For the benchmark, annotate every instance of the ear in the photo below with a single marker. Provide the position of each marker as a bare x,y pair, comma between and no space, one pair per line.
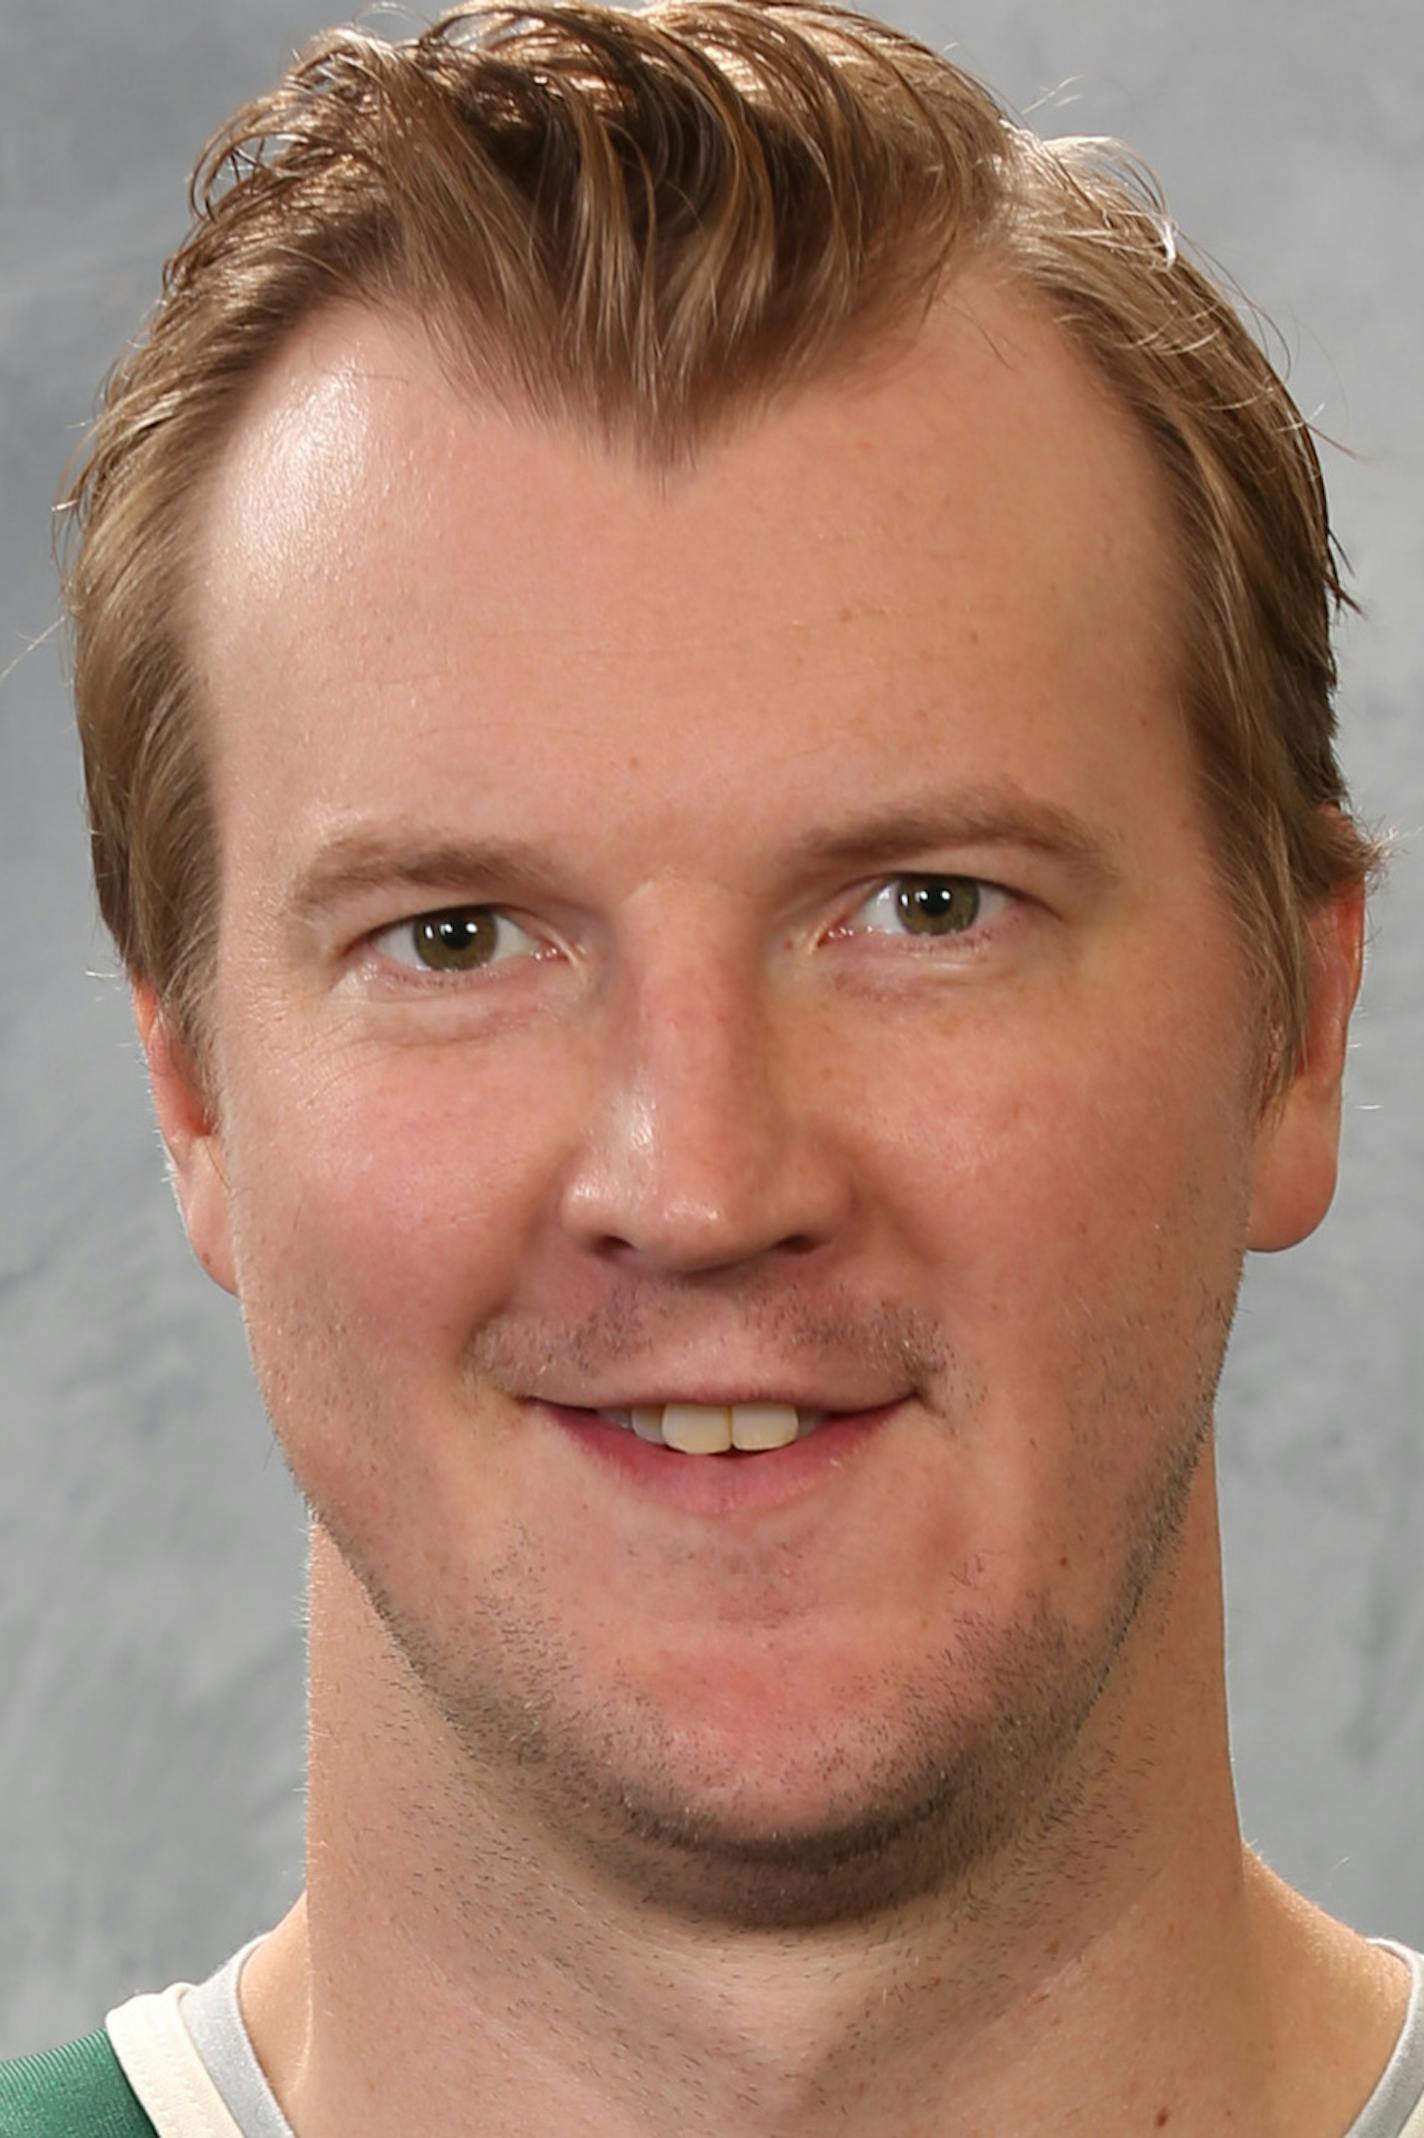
1298,1143
190,1133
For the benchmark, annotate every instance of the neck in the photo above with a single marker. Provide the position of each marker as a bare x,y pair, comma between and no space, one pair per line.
1125,1967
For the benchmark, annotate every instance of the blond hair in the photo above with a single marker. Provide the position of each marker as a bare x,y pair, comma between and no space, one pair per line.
649,225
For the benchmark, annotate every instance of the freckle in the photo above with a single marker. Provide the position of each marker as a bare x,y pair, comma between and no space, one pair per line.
1064,1560
1164,2115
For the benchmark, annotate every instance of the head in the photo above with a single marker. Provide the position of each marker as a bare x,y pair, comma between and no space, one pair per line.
652,226
665,559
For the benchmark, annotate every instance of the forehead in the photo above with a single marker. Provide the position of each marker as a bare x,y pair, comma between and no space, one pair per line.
971,524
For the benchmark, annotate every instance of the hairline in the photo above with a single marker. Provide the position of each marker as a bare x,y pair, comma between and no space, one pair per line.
450,339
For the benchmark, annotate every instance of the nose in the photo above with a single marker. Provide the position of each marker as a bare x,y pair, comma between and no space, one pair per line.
706,1146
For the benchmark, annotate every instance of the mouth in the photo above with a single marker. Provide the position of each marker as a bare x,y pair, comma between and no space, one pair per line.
719,1428
720,1459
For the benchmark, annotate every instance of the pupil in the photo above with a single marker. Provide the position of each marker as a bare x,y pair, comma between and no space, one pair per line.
939,905
452,942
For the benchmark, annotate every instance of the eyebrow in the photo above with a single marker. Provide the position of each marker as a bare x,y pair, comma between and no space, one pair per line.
1000,815
372,858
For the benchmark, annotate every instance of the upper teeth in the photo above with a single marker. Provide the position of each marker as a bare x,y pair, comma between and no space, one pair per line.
712,1428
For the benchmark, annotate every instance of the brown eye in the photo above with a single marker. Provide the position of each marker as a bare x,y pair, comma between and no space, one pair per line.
938,905
457,941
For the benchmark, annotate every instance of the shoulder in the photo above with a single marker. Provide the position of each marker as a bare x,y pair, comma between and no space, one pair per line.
75,2091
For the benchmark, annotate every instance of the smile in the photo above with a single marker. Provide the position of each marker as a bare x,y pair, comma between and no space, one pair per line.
718,1428
799,1452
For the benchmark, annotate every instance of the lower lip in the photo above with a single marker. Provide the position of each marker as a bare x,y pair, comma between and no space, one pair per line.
722,1484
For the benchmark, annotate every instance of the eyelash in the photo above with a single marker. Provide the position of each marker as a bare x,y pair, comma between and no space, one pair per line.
421,974
972,934
428,975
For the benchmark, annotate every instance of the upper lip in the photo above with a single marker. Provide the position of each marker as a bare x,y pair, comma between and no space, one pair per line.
724,1396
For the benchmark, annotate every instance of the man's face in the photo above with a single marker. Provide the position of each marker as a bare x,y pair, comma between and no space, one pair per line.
707,1096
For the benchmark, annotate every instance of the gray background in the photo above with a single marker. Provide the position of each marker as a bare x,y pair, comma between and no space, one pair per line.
152,1554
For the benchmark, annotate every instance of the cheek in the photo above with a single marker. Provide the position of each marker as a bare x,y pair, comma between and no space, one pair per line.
1075,1155
380,1210
1084,1224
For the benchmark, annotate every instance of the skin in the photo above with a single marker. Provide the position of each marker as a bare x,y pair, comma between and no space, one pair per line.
906,1808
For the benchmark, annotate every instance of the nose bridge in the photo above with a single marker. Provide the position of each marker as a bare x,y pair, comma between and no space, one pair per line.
697,1150
700,1064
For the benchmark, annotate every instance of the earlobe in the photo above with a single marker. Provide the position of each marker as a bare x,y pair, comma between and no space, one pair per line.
191,1136
1298,1144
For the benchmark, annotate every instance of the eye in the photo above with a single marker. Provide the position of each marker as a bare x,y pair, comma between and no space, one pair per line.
459,939
936,906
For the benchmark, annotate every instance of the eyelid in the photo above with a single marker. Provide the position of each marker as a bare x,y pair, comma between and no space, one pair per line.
372,940
903,876
866,894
